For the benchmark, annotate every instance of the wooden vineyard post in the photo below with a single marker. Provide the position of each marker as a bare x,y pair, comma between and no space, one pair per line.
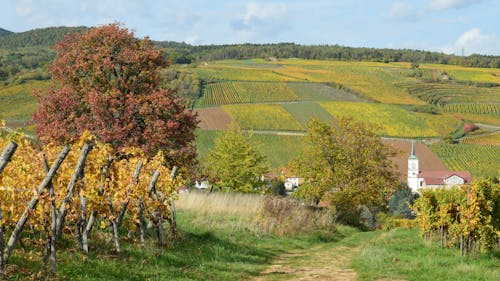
5,157
51,253
105,174
33,202
173,219
77,174
7,154
115,224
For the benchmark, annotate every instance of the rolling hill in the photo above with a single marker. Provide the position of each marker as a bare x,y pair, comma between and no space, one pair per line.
278,95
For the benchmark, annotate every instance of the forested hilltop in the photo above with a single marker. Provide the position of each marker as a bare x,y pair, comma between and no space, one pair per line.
186,53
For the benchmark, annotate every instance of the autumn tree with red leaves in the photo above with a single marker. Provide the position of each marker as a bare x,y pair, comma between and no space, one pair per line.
108,83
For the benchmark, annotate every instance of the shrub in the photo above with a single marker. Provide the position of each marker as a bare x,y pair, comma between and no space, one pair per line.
286,216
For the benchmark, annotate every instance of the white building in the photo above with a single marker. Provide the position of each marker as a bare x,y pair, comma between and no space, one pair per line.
433,179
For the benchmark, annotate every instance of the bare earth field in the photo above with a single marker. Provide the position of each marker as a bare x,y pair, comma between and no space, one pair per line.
213,118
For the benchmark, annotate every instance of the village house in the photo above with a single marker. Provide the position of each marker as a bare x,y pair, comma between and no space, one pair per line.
433,179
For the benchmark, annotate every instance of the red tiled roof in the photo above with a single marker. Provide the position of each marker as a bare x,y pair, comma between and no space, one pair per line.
438,177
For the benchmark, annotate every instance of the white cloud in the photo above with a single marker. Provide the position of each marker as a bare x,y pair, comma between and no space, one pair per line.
442,5
404,11
260,14
474,41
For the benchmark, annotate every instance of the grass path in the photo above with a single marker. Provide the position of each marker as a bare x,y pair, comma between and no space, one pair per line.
330,261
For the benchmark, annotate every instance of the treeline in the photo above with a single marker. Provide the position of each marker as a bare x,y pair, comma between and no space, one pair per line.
187,53
29,50
42,37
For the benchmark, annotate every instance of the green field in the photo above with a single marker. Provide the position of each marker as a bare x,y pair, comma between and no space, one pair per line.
278,149
480,160
305,111
17,102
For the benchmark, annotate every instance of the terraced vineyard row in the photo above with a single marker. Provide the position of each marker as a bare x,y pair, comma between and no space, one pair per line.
488,139
474,108
480,160
219,93
446,93
234,92
265,91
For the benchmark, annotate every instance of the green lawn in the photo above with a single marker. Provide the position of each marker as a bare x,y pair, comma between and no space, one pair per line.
401,254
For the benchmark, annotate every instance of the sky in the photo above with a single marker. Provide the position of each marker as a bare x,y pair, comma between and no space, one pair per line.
449,26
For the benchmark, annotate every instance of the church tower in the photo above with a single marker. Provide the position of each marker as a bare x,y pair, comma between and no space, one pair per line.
413,169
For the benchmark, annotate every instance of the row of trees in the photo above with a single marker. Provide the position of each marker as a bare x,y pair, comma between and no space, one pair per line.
331,52
344,164
467,217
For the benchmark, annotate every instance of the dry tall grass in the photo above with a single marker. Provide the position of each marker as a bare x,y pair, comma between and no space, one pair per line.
258,213
218,209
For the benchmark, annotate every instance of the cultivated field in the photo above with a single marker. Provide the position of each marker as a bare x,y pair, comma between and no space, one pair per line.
480,160
213,118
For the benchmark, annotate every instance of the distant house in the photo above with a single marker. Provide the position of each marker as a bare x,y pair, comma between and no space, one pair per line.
292,183
433,179
203,185
182,189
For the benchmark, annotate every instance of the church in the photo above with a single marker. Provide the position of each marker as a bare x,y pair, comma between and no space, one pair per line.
433,179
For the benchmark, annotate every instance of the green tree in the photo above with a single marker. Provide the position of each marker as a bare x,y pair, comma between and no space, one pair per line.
346,165
235,164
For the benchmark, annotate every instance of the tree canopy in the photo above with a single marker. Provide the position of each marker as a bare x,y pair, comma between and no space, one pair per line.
346,165
108,83
235,164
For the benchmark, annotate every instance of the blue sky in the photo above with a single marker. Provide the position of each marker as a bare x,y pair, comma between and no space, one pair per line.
437,25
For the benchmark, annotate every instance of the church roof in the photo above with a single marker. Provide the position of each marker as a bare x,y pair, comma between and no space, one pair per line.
438,177
412,155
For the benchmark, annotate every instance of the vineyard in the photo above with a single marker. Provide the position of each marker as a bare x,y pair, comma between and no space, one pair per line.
392,119
467,217
305,111
473,108
480,160
262,117
450,93
234,92
219,93
486,139
79,190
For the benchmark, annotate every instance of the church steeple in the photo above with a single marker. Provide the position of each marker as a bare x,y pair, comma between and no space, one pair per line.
413,169
412,155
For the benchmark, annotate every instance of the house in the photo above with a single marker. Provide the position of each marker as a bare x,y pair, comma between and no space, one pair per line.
433,179
203,185
291,181
182,189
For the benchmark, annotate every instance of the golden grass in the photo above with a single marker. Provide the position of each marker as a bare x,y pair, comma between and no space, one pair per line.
221,203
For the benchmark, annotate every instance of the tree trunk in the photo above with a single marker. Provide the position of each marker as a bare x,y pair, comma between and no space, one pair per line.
77,174
115,236
14,238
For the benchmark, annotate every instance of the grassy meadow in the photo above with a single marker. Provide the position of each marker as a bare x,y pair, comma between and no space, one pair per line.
225,236
278,149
